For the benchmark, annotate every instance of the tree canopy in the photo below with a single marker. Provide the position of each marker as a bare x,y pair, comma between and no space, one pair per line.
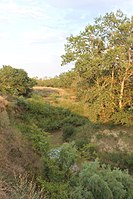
102,55
15,81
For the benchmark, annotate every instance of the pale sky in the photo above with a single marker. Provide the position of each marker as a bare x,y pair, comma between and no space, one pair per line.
33,32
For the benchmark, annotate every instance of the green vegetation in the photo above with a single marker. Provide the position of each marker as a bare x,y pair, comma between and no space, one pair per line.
15,81
119,159
68,131
65,80
66,147
102,76
100,182
47,117
62,170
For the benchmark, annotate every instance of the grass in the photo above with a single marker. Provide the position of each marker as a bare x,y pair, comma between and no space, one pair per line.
20,186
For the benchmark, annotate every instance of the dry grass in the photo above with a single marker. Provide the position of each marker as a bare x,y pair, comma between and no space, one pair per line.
20,187
16,154
25,188
3,103
4,190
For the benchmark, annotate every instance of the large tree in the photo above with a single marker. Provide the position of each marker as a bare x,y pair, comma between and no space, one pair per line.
15,81
102,55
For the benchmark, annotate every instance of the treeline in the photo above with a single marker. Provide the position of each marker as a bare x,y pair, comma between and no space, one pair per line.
103,68
64,80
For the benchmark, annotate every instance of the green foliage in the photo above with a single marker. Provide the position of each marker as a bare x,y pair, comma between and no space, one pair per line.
100,182
47,117
103,67
55,190
15,81
75,120
37,136
57,171
61,175
57,167
64,80
81,142
89,151
118,159
123,117
68,131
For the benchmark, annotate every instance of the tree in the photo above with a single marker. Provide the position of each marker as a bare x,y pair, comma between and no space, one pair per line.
102,55
15,81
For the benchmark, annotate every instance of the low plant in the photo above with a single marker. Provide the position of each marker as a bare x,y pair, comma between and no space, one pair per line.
68,131
89,151
81,142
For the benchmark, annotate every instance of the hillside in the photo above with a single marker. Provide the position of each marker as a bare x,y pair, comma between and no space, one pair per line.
18,160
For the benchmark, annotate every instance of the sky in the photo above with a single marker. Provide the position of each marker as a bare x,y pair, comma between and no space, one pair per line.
33,32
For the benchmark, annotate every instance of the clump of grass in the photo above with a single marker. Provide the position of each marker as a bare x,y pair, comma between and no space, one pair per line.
24,188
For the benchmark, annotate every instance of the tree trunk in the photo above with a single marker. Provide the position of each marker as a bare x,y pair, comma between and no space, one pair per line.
121,93
112,79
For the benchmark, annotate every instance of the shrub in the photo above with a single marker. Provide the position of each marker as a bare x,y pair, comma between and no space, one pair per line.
100,182
80,143
55,190
68,131
57,170
90,151
123,117
75,120
37,136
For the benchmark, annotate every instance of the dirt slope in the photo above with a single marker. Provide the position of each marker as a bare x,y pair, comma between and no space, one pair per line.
16,154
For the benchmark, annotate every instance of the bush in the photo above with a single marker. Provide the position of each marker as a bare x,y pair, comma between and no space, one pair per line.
57,170
123,117
37,136
100,182
55,190
75,120
80,143
90,151
68,131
